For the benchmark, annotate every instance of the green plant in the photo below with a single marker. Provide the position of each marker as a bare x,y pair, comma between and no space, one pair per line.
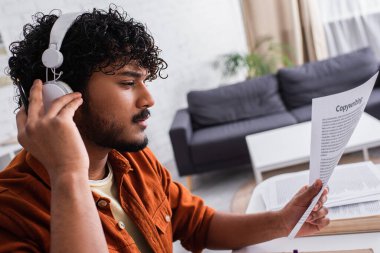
265,58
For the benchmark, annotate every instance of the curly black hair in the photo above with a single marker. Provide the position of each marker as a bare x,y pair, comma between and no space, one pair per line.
96,40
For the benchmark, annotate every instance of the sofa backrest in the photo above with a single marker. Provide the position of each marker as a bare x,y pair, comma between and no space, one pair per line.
251,98
299,85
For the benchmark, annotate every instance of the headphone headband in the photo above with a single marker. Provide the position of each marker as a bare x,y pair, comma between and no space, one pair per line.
59,29
52,57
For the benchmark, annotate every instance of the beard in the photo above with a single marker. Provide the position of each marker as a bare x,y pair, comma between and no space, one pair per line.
107,132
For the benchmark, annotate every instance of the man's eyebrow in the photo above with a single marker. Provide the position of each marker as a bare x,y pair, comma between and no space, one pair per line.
130,74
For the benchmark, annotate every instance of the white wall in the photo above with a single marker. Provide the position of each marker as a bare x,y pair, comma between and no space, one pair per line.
191,35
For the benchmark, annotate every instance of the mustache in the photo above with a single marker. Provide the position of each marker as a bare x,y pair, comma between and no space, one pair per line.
143,115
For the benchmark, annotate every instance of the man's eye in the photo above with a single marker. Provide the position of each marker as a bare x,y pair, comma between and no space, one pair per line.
128,83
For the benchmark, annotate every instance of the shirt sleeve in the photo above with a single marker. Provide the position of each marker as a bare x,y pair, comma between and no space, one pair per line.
191,217
13,237
10,240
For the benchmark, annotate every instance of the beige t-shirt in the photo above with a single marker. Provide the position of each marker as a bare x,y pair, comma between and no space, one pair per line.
107,188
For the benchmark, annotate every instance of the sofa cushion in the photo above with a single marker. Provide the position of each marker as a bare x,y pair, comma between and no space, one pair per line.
302,113
227,141
248,99
373,104
301,84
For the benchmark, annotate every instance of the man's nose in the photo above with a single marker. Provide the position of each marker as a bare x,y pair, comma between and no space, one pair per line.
145,99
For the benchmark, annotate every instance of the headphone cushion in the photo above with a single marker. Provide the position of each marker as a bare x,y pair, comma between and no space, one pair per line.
64,86
52,58
52,90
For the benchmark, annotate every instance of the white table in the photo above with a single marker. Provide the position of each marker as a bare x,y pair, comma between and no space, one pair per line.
316,243
290,145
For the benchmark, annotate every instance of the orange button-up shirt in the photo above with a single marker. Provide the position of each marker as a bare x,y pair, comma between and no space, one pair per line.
163,210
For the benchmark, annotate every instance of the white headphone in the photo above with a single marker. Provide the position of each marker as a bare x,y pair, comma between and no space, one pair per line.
52,58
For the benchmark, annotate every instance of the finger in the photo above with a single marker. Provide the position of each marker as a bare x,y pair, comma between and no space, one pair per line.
70,108
325,192
305,197
302,190
318,215
320,203
321,223
317,206
322,200
35,101
61,102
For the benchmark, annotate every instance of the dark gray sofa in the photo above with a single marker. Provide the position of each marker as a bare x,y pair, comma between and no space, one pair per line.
210,133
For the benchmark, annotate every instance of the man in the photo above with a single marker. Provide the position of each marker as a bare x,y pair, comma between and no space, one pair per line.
85,180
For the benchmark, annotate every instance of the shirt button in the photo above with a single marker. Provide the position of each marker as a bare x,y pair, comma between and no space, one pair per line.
121,225
167,218
102,203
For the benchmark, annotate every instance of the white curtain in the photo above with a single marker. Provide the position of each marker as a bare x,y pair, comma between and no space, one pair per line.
350,25
295,23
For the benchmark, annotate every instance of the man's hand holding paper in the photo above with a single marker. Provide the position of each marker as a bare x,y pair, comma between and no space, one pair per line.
297,206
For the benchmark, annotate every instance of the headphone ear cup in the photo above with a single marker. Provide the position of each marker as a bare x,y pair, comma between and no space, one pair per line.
52,58
64,86
52,90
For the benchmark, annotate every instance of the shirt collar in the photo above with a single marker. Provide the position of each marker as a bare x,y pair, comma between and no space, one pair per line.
116,159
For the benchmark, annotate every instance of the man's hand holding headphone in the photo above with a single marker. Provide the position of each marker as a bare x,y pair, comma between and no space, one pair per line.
52,136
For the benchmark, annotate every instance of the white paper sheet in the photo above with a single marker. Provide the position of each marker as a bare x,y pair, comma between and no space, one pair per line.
355,210
349,184
334,119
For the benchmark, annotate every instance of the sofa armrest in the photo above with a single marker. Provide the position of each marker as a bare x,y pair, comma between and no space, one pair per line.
180,133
